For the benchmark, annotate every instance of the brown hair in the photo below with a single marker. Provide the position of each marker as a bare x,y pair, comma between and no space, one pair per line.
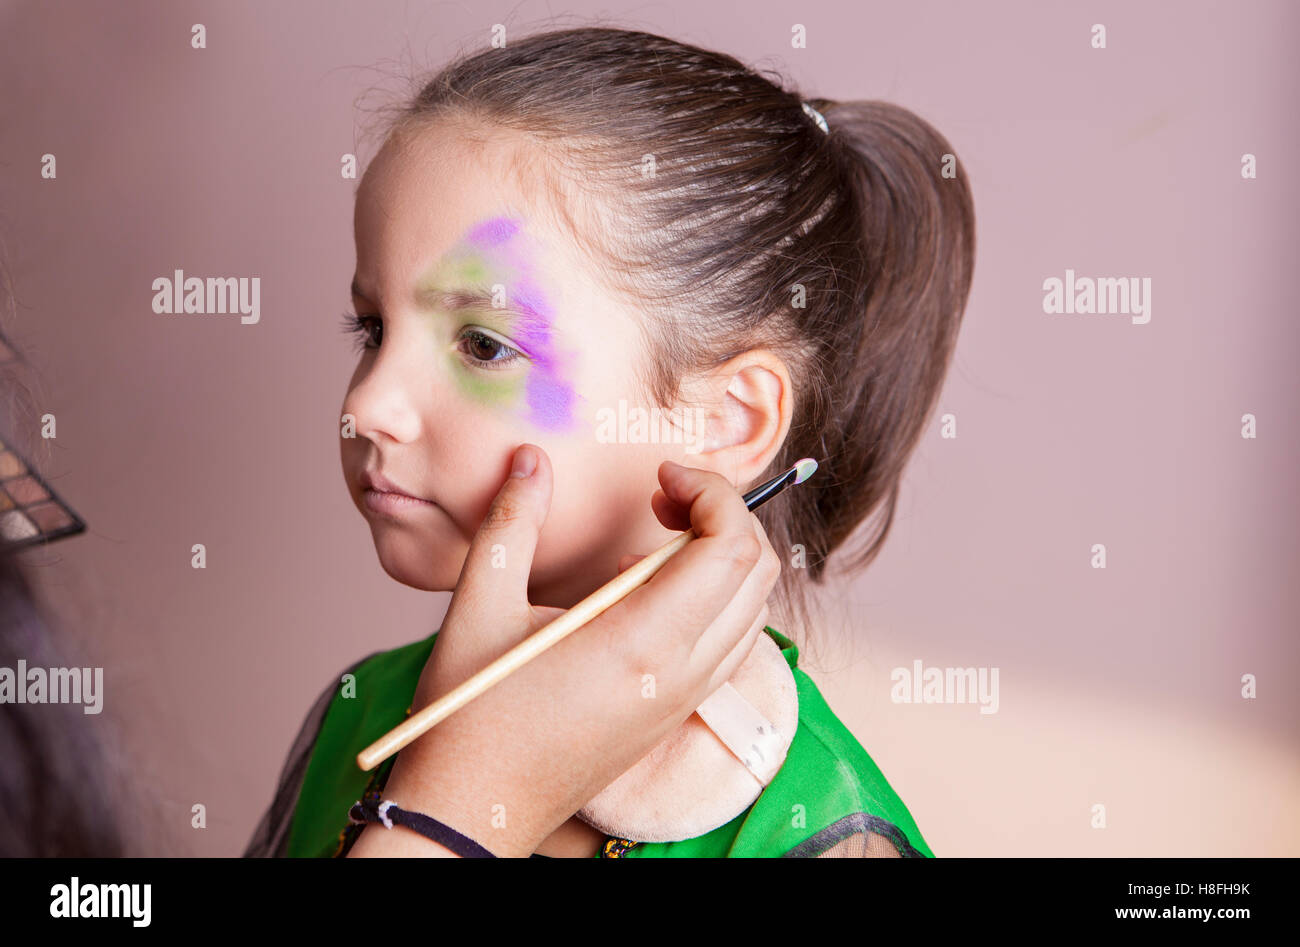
746,200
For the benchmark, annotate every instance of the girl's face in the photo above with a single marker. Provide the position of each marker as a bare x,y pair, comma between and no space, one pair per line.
483,329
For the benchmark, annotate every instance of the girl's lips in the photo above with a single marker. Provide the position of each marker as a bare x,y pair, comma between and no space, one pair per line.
378,501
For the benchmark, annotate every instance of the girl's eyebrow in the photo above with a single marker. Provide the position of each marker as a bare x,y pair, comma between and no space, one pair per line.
457,300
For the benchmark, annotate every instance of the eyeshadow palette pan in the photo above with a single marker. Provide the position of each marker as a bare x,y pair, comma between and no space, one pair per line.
30,512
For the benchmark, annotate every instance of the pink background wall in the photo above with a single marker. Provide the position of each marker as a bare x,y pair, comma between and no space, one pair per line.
1118,686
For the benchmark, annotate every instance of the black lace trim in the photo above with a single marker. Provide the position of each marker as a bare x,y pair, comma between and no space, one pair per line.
850,824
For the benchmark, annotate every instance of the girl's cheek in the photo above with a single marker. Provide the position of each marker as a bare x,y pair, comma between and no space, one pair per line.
482,388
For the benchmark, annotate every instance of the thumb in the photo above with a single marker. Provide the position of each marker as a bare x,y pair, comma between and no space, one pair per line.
500,559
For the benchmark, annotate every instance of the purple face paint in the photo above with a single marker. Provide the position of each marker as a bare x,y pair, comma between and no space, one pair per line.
493,233
550,396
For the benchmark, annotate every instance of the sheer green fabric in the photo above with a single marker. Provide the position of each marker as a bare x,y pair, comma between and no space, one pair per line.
828,800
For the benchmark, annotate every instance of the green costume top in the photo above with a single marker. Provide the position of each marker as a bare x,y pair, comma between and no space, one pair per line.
829,798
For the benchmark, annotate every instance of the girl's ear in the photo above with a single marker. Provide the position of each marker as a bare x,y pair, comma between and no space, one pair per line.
749,403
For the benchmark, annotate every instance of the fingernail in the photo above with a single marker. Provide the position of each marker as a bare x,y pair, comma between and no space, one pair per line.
525,462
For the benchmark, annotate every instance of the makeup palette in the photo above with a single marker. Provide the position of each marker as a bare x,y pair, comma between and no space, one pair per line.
30,512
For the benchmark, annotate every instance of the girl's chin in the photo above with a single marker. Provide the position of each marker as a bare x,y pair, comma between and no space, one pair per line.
417,568
426,580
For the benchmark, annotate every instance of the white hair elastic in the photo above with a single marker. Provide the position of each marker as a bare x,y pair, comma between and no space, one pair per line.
817,117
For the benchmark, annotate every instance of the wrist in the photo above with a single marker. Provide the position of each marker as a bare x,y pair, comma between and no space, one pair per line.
372,808
480,805
375,841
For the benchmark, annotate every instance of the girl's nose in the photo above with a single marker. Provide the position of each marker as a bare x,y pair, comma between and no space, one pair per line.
383,401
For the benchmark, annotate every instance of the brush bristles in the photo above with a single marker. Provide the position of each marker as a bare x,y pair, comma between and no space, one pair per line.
806,467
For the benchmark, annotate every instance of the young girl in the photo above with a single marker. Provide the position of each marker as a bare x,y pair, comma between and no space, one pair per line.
561,235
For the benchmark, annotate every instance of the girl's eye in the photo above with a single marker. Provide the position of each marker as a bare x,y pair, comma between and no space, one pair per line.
486,351
481,349
367,330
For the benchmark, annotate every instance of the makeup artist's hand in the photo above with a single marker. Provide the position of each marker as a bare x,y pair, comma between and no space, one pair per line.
515,763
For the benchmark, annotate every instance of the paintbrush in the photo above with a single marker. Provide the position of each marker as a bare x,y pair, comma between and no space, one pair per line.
608,595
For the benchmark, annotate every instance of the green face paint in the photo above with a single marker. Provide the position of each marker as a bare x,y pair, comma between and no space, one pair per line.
465,270
471,270
481,386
